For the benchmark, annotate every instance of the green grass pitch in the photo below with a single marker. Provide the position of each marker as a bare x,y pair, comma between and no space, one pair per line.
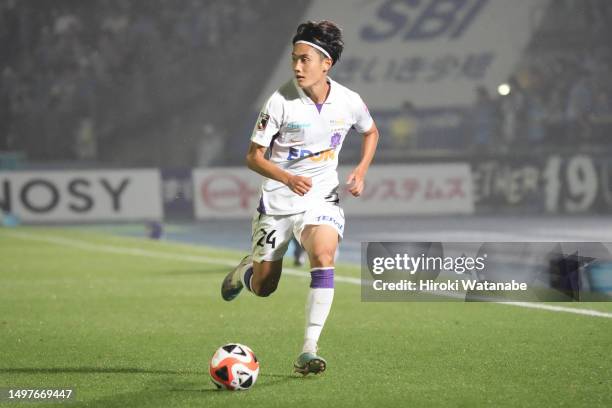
129,322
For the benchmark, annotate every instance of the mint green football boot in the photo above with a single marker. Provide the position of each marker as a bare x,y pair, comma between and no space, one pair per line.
232,286
309,363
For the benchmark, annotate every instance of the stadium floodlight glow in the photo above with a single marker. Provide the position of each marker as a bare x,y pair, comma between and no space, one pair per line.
504,89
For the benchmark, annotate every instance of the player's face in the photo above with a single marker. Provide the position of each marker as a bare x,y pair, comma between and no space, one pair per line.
309,67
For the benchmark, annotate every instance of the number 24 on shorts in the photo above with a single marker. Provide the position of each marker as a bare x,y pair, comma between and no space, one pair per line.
268,237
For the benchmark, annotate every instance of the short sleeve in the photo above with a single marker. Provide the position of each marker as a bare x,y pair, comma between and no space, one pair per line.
363,119
269,121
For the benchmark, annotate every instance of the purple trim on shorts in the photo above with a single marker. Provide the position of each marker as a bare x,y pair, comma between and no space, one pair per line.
248,274
322,278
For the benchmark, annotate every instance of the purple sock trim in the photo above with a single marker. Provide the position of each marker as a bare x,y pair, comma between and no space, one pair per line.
322,278
248,274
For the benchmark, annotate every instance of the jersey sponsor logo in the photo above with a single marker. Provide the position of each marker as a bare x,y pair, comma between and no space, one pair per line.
295,153
337,122
263,121
296,126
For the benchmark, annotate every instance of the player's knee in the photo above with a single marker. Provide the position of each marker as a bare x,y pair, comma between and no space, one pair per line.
264,289
323,257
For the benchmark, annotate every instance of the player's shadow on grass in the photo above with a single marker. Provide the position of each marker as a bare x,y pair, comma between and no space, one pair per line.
159,390
178,386
278,379
201,271
97,370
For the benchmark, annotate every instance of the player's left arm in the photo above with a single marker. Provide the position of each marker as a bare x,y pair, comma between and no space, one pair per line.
356,180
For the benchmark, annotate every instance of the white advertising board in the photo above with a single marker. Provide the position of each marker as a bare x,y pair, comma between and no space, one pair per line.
390,190
75,196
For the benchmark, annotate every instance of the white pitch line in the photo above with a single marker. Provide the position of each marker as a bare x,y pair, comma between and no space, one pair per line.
225,262
55,240
552,308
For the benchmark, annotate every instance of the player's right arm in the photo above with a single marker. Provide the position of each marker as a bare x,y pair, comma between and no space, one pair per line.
268,125
257,162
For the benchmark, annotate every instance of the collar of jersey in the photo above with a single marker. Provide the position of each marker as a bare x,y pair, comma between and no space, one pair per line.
308,101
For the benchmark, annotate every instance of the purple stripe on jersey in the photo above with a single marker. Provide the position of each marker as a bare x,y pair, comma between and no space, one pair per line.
319,106
322,278
272,141
262,208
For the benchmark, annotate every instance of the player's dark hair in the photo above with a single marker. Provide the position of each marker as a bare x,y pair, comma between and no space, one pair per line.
323,33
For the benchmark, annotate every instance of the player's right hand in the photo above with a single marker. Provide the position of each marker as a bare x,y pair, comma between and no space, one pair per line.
299,184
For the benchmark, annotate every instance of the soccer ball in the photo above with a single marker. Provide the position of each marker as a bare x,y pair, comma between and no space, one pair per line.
234,367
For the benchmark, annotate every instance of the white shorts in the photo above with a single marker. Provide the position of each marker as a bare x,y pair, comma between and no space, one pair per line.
272,234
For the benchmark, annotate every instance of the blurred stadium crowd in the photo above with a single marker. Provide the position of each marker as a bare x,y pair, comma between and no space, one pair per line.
79,77
131,82
562,91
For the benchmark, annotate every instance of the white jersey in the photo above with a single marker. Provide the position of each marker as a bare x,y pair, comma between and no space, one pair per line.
305,141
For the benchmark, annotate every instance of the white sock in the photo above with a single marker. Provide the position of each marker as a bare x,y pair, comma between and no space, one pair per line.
318,305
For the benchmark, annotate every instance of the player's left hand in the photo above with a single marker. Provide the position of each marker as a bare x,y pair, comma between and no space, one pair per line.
356,182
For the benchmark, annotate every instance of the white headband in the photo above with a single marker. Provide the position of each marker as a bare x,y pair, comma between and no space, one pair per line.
317,47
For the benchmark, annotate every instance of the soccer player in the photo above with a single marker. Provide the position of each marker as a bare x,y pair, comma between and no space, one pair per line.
302,127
